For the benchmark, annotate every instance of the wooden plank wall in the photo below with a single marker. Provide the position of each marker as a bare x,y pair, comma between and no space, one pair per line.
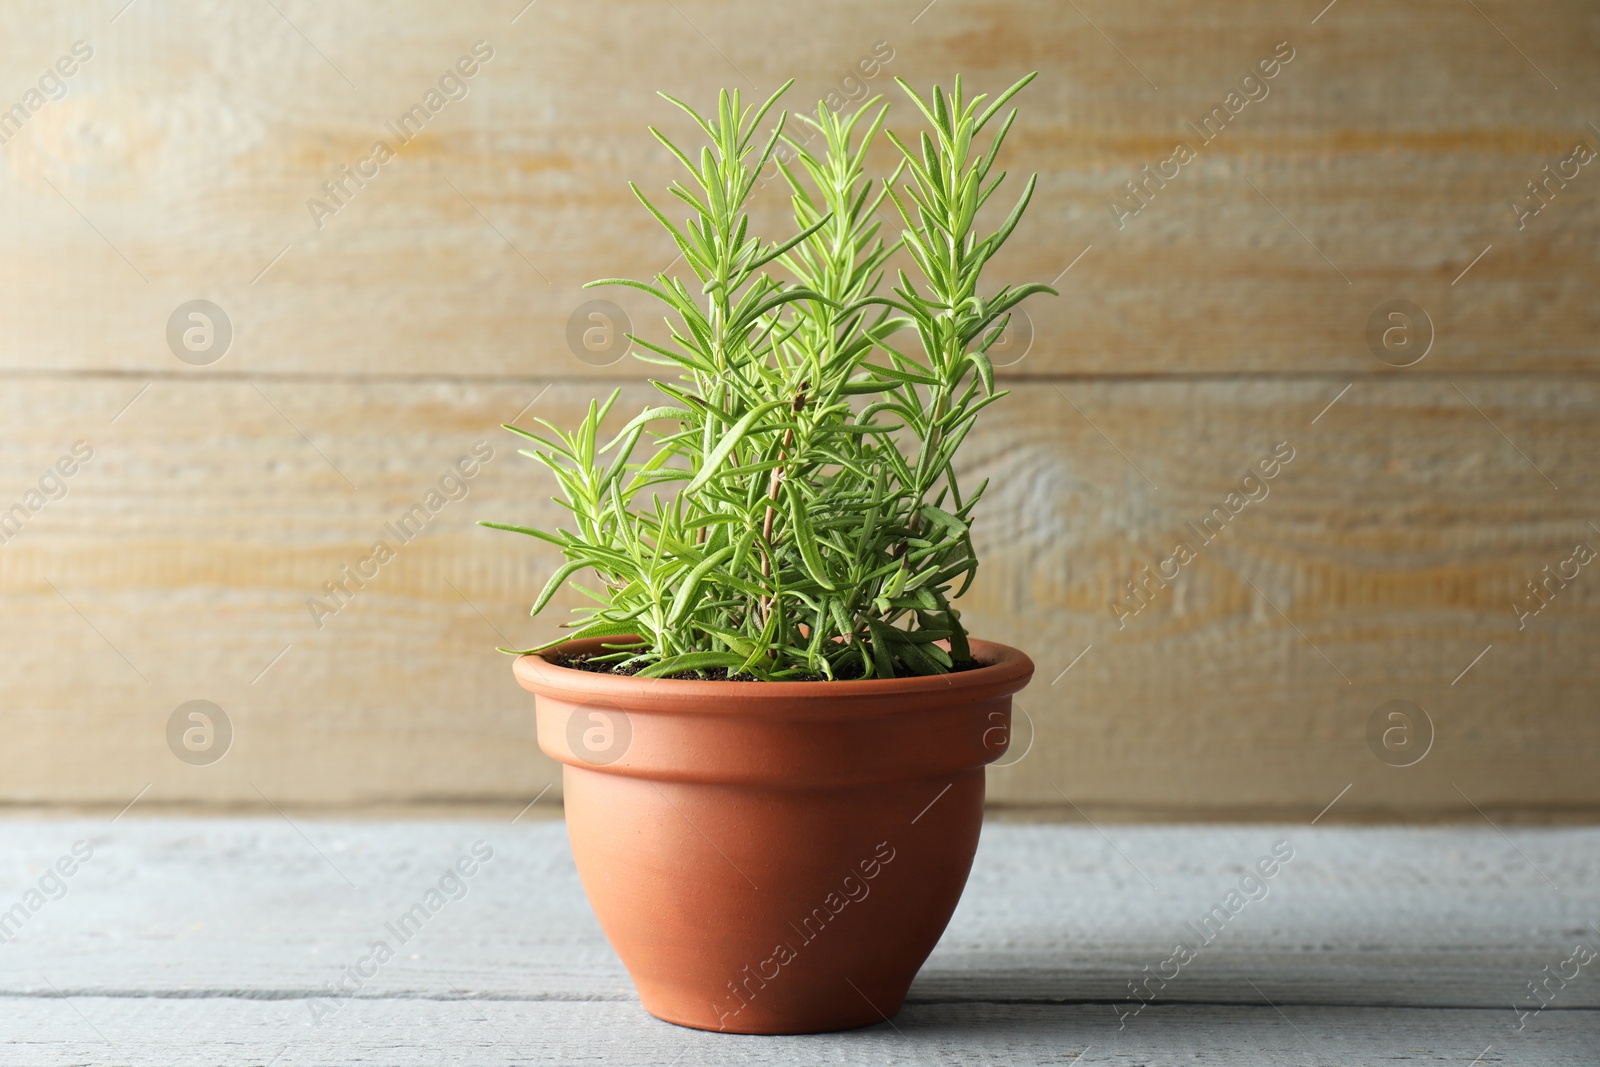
375,345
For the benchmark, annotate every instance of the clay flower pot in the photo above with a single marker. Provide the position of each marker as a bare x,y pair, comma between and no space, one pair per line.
774,857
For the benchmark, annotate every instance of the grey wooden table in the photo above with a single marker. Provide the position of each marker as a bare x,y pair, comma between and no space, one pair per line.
250,942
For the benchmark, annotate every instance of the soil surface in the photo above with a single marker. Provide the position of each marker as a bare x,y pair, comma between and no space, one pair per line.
849,671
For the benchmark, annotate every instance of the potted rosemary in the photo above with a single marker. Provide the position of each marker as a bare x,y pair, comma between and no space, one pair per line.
773,723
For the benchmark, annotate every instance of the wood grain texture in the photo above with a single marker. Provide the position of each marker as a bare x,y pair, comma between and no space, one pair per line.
1369,946
372,351
1387,151
410,1033
1384,557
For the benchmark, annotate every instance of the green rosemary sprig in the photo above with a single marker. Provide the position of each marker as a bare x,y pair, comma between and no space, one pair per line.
797,512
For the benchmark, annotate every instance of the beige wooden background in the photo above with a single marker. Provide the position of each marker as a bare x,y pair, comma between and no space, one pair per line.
372,352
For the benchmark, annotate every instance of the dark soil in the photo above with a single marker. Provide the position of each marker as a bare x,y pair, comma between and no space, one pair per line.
849,671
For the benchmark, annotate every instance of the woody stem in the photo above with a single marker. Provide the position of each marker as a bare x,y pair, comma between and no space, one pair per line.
774,486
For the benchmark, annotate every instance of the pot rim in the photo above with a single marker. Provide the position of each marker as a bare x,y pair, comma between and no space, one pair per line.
1005,670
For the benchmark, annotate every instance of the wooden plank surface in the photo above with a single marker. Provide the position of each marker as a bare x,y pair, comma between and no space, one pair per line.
198,941
126,1033
180,563
1226,316
1384,156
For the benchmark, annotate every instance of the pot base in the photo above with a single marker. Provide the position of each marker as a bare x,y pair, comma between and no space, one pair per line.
785,1028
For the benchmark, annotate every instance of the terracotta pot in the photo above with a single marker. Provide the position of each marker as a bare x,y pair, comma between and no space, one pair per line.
774,857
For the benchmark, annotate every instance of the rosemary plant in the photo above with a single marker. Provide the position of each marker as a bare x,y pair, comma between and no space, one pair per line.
791,508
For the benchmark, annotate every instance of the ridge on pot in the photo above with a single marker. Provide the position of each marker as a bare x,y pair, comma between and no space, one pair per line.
773,858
